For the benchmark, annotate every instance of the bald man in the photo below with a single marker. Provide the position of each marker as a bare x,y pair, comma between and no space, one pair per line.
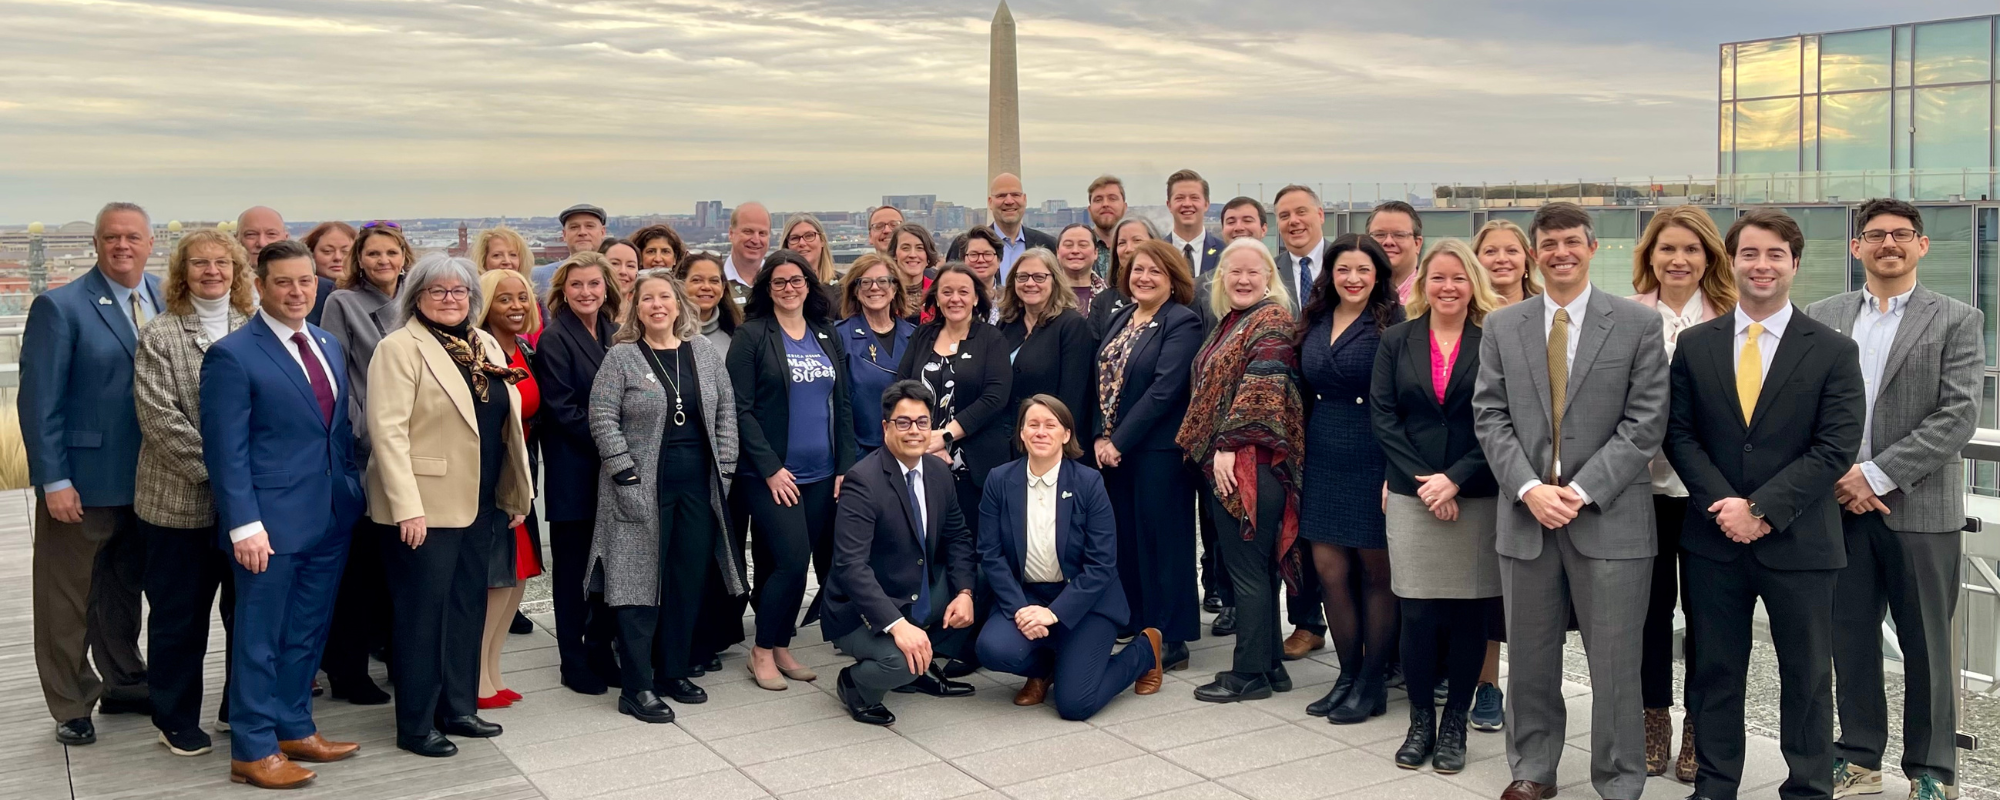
749,240
258,226
1006,205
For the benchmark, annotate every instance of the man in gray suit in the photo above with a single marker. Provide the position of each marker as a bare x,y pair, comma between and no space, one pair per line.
1922,358
1301,239
1571,404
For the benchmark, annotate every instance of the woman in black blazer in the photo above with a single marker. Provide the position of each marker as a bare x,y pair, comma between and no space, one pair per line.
582,301
1143,374
1050,344
785,365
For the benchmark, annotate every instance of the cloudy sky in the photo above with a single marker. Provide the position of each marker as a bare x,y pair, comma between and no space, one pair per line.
409,108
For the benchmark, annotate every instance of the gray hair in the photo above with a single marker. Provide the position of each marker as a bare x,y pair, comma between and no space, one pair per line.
97,228
686,316
430,269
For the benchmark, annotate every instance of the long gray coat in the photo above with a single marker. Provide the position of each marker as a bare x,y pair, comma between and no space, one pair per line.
358,318
629,409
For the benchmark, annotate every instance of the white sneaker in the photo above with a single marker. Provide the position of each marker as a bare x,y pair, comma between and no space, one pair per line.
1850,779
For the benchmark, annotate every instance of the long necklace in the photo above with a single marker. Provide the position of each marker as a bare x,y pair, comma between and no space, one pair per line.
680,416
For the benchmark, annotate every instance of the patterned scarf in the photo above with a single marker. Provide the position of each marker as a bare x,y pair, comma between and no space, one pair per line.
476,369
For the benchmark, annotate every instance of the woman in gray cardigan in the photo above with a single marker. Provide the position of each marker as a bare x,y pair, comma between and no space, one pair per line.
662,414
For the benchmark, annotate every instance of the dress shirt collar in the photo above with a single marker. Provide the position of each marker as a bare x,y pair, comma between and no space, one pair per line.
1312,253
1045,481
730,272
279,328
1576,307
1774,324
906,470
1869,302
1198,242
1019,237
122,295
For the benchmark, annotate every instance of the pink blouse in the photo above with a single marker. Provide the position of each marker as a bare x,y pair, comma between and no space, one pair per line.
1440,367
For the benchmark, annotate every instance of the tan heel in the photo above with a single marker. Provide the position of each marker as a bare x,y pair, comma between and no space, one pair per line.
767,684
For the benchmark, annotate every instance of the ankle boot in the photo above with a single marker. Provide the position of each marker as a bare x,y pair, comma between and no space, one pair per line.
1369,698
1421,740
1659,740
1450,757
1342,687
1685,767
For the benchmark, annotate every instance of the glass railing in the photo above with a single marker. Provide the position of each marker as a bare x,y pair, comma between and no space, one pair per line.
1938,185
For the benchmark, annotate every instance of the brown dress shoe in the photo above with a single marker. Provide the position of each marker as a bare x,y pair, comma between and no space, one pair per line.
317,749
1033,692
271,772
1527,790
1659,740
1150,680
1301,642
1684,767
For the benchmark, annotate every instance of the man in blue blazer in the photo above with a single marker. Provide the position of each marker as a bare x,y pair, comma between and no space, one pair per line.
1048,542
1187,200
81,429
280,456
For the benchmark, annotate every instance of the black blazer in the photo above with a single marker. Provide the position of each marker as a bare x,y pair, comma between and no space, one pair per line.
1058,360
1804,434
1103,307
879,562
986,385
565,367
1419,435
1154,398
1029,236
763,384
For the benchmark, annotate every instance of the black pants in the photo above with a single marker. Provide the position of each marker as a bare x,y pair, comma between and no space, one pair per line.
1656,659
1253,571
1151,494
1800,605
1214,579
184,569
584,625
361,611
787,541
655,642
1913,577
1305,610
1446,632
439,592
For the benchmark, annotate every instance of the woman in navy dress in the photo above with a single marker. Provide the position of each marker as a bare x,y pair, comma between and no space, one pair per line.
1350,304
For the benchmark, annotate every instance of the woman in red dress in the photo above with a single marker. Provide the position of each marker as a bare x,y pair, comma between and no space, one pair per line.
509,313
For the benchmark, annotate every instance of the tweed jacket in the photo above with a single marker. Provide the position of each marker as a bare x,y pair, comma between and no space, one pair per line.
628,416
1926,406
426,436
173,481
359,318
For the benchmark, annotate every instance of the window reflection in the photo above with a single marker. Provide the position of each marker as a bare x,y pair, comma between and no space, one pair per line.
1767,135
1953,52
1854,60
1854,132
1952,130
1768,68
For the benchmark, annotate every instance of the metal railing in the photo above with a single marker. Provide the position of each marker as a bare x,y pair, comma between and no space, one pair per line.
1743,188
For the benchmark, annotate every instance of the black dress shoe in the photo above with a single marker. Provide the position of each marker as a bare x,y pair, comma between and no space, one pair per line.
1334,697
584,682
645,707
959,668
714,664
109,705
317,689
430,745
521,624
935,684
1281,681
683,691
1421,739
77,732
1225,622
1174,656
850,696
470,726
1450,757
360,691
1230,687
1211,603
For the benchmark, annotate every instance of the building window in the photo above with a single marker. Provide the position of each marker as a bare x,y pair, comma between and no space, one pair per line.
1767,135
1854,60
1953,52
1767,69
1954,126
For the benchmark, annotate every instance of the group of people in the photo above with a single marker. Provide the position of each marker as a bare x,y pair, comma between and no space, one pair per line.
1016,452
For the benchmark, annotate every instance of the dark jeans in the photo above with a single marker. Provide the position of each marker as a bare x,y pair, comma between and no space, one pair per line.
361,612
184,569
1076,654
1253,571
1913,577
584,625
439,592
788,539
655,642
1656,660
1447,632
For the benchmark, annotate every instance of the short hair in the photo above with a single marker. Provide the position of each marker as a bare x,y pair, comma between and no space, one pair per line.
1718,281
1239,202
630,329
1397,207
489,288
728,314
1562,216
586,260
1529,283
1180,276
279,251
604,247
1777,222
982,303
1062,296
179,297
817,307
1483,299
921,234
430,269
1184,176
321,230
736,214
355,274
97,228
873,211
483,245
906,389
986,235
825,267
1218,301
1118,259
1885,207
1296,187
644,236
1103,181
1071,448
850,288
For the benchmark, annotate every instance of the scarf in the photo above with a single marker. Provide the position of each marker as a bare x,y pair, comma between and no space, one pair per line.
477,370
714,321
214,316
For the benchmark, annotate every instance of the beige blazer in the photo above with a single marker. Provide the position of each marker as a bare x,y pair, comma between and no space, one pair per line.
426,457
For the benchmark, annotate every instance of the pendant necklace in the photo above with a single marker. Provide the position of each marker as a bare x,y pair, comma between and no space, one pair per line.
680,417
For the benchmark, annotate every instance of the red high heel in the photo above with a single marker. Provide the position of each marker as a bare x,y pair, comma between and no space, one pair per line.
495,701
510,694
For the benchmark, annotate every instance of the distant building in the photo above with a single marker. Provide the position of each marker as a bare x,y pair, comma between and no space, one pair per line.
920,203
708,214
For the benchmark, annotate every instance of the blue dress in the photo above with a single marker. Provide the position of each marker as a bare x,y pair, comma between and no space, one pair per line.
871,367
1341,501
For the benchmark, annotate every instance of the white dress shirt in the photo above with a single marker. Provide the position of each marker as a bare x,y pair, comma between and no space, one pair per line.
1312,258
1767,344
1199,247
284,333
1672,323
1875,331
922,529
1577,309
1041,563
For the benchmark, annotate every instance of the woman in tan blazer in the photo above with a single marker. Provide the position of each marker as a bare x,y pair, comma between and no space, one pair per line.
450,472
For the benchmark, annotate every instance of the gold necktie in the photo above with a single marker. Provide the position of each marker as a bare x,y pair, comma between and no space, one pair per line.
1558,389
1750,371
138,313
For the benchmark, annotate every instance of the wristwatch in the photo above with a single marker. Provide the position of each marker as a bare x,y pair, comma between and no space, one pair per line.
1754,510
947,439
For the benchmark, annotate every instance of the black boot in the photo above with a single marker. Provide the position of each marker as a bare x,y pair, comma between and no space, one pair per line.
1368,699
1450,756
1422,739
1174,656
1342,687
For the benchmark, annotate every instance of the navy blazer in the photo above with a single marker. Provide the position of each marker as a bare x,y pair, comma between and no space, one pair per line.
1086,543
1154,397
1206,254
565,367
78,419
879,562
870,370
270,454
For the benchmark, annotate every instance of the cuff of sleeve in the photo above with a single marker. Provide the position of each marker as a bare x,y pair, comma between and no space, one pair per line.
241,532
892,624
1578,488
1877,479
1522,495
56,486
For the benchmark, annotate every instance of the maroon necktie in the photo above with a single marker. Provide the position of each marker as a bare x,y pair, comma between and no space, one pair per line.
322,388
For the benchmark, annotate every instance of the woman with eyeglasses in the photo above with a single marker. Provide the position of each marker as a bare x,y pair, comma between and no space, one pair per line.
1076,250
624,261
916,257
806,236
797,431
1125,235
873,336
982,255
1049,342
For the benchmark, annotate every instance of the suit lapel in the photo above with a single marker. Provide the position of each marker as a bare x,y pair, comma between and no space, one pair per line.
1065,488
1595,329
894,469
445,370
1921,308
1461,374
591,347
1017,481
1846,309
1792,349
937,491
1535,341
112,313
1722,360
285,361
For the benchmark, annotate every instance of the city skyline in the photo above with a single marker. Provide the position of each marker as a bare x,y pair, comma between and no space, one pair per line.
491,108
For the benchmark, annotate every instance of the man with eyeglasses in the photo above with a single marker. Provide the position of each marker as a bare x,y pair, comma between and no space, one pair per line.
904,562
1007,204
1397,228
1922,359
882,224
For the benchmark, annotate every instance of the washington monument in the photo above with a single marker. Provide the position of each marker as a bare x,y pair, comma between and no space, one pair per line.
1003,112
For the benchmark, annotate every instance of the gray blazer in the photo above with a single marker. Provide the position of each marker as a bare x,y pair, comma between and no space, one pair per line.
628,416
1926,407
358,318
1614,424
173,480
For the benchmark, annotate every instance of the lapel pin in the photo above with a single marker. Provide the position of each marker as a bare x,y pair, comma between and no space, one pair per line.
822,336
1153,324
1067,495
1211,251
104,301
967,356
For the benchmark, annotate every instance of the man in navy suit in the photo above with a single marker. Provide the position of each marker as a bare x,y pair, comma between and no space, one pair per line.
81,429
900,548
1187,199
280,456
1048,542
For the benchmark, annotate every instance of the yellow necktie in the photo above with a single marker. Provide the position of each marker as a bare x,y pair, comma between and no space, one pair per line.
1750,371
138,312
1558,388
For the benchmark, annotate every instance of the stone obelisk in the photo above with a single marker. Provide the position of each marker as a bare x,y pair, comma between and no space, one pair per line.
1003,111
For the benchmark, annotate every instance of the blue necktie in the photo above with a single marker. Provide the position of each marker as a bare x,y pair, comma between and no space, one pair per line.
1305,280
922,610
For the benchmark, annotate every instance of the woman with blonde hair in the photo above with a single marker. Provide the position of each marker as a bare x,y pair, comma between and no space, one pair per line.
502,248
806,236
1503,251
1052,345
509,313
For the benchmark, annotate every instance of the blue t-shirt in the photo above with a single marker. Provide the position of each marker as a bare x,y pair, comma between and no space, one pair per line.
809,452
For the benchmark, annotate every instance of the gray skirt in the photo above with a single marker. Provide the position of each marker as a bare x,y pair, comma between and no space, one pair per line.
1431,559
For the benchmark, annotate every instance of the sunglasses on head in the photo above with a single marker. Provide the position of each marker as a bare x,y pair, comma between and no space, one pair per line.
381,223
